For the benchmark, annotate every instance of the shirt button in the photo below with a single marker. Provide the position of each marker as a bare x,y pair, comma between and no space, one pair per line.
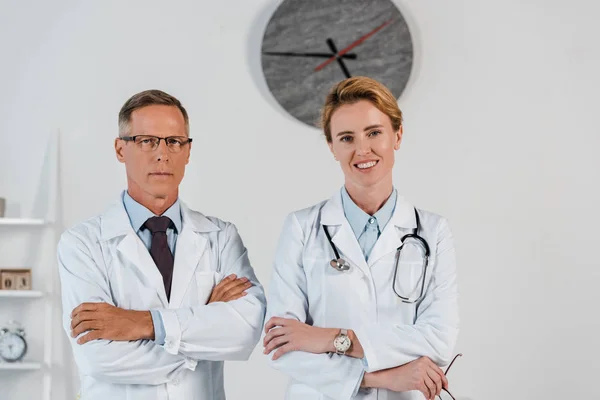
175,382
371,220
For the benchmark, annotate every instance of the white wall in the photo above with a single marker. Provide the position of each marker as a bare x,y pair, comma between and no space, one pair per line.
500,137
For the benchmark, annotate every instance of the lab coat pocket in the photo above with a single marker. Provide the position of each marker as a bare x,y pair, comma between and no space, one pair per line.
410,269
338,283
205,282
409,278
340,279
344,294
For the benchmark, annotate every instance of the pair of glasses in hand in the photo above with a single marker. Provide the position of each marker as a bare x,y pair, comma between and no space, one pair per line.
446,373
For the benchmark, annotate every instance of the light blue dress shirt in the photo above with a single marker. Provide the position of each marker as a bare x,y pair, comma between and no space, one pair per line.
367,230
138,215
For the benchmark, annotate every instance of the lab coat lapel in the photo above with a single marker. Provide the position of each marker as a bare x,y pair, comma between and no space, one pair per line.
188,251
332,216
115,223
191,245
401,223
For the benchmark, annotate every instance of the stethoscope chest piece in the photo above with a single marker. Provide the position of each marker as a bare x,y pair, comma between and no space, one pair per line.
339,264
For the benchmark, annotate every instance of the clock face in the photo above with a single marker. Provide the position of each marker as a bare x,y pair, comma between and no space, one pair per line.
309,46
12,347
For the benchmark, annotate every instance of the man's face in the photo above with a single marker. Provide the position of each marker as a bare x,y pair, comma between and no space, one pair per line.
156,172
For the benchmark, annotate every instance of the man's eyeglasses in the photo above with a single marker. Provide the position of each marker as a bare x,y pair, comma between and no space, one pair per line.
150,143
444,397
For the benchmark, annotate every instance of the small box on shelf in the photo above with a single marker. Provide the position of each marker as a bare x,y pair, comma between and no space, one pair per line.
15,279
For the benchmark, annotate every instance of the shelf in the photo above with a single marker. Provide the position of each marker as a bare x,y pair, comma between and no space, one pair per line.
21,222
23,294
19,366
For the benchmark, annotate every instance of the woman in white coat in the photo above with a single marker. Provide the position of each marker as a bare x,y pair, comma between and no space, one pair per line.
348,314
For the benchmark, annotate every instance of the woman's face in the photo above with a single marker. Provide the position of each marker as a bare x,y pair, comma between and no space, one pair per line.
364,142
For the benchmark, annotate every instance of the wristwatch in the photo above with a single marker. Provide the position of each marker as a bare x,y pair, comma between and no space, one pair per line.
342,342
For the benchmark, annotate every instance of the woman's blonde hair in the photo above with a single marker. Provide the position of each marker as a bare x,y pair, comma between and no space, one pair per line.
358,88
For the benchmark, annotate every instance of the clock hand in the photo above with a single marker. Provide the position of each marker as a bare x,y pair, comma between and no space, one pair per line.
339,59
331,45
353,45
292,54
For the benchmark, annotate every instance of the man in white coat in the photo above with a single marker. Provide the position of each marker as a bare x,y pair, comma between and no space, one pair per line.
155,295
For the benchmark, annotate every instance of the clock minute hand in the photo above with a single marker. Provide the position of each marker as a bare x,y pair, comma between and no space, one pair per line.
353,45
339,59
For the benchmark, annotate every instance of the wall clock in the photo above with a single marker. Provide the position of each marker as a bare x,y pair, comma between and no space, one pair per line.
308,46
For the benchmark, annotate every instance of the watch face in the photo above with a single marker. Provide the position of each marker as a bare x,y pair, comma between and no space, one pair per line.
342,343
309,46
12,347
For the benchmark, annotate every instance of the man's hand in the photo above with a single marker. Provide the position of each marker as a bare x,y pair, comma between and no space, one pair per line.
421,374
104,321
287,335
230,288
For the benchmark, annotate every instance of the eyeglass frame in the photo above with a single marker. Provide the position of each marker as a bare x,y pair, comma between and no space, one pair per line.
446,372
132,139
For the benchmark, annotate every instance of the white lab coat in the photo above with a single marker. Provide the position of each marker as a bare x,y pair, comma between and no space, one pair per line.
103,260
305,287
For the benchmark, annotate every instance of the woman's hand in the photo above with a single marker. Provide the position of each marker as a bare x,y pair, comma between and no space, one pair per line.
287,335
421,374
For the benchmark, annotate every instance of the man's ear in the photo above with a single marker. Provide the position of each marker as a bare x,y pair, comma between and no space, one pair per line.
119,149
189,151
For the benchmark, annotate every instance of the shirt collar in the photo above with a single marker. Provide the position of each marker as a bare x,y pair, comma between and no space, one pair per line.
138,214
358,219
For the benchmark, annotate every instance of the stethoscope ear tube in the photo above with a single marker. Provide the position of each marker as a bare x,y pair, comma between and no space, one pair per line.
423,242
338,263
337,255
426,264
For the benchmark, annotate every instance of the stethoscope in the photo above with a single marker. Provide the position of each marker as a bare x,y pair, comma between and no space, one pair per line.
339,264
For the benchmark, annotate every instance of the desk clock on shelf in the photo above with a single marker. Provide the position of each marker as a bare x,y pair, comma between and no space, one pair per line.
13,345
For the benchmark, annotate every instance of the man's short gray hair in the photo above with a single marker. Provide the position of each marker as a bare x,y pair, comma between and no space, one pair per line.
144,99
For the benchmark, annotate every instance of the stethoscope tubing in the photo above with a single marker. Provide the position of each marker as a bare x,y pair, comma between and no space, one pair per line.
341,265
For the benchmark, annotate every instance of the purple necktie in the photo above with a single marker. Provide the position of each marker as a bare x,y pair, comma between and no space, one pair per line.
159,249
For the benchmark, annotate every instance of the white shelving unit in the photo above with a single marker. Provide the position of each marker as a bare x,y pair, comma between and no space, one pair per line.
20,366
21,222
21,294
37,237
